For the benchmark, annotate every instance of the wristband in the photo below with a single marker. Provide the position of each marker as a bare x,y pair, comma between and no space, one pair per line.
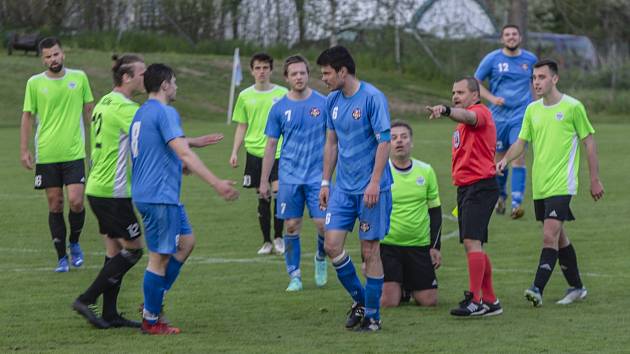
325,183
447,111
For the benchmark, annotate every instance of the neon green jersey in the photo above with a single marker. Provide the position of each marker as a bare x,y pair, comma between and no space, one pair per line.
252,108
413,193
110,173
57,106
555,133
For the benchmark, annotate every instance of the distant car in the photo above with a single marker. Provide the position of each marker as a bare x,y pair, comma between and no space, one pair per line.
570,50
26,42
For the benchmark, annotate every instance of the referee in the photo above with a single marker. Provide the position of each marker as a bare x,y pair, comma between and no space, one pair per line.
474,142
554,125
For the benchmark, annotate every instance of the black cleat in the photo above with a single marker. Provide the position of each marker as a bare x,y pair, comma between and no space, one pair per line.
355,315
90,313
119,321
492,309
468,307
369,325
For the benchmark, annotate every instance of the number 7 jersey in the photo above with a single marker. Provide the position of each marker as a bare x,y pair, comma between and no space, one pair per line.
109,160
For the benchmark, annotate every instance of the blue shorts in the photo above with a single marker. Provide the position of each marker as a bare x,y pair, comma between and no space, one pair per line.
507,134
292,197
163,224
344,209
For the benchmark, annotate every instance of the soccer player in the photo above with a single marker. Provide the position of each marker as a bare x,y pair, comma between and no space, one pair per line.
554,125
57,100
159,152
509,72
474,142
299,118
109,194
251,112
411,250
357,143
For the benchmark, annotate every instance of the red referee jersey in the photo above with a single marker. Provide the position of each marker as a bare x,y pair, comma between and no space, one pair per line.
474,148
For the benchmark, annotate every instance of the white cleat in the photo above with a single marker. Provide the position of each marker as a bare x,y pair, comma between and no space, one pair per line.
278,246
572,295
265,249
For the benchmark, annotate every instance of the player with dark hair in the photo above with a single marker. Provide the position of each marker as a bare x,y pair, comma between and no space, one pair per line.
58,100
300,119
159,152
474,142
251,112
357,144
509,72
554,125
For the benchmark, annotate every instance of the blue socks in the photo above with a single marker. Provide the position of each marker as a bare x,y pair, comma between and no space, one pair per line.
172,271
373,290
321,253
348,277
292,254
502,180
519,176
154,287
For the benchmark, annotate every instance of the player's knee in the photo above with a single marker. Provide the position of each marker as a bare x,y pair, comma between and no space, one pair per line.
427,301
55,205
332,250
389,301
76,204
132,255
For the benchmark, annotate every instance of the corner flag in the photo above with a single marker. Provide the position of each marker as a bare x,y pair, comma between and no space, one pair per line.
237,77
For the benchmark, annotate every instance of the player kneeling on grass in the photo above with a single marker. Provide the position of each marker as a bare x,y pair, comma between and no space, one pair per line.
299,117
159,151
411,250
553,125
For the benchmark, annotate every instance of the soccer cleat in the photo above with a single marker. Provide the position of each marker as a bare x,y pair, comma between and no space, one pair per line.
90,313
321,272
119,321
534,295
573,294
369,324
500,207
158,328
76,255
355,315
266,248
517,212
468,307
295,285
62,265
405,296
278,246
493,309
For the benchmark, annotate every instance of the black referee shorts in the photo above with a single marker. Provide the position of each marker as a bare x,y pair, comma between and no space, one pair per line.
556,207
253,168
409,266
475,204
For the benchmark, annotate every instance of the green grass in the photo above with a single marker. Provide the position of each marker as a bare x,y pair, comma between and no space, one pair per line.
230,300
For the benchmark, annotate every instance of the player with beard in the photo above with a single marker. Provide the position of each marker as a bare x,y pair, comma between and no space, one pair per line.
58,100
509,71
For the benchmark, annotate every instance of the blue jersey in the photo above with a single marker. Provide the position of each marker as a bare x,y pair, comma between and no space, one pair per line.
156,175
302,125
510,78
359,121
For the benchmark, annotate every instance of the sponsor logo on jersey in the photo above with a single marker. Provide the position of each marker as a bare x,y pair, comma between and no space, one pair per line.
315,112
559,116
456,140
420,181
45,90
72,85
525,66
356,114
364,226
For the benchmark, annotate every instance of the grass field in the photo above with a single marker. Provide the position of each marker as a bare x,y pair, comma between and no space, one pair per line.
230,300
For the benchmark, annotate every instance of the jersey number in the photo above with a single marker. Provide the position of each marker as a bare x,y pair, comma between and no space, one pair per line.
135,132
334,112
503,67
288,115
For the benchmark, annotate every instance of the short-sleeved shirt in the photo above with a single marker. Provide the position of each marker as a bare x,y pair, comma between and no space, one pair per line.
57,105
555,133
474,148
252,108
510,78
414,192
110,175
156,170
358,121
302,126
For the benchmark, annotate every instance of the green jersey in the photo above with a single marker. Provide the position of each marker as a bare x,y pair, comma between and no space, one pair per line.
110,173
555,133
252,108
57,106
414,192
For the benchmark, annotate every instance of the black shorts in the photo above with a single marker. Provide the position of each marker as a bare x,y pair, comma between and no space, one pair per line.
116,217
253,168
59,174
475,204
556,207
409,266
